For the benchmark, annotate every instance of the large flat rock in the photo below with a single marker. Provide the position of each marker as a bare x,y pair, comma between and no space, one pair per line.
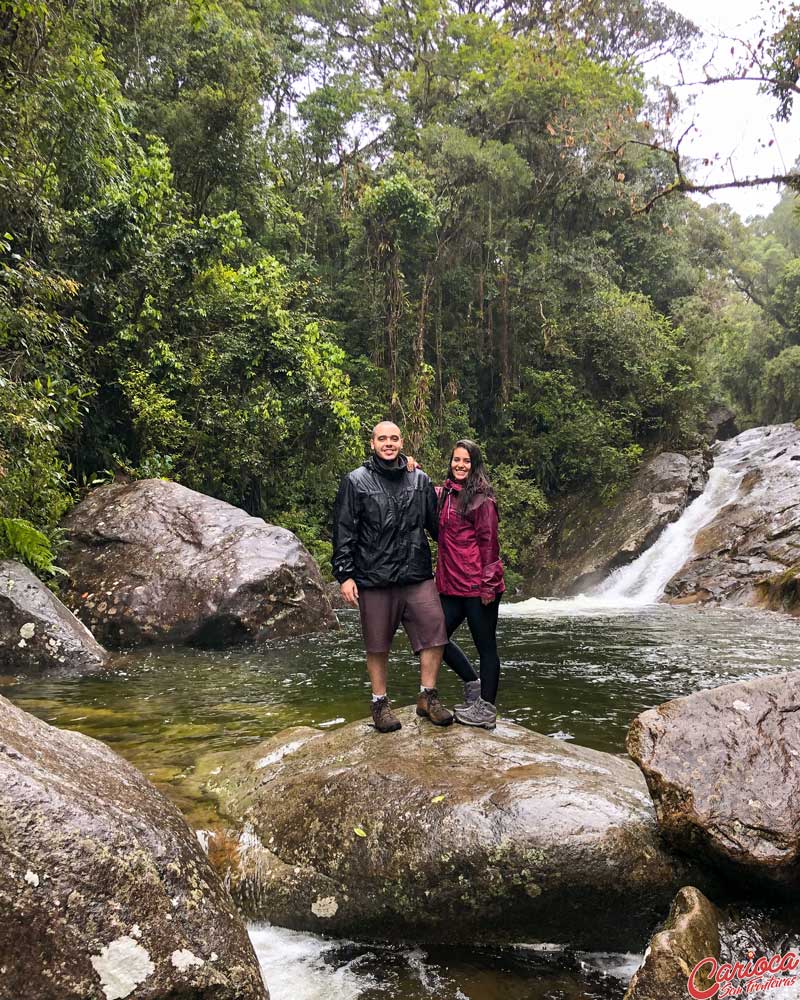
723,768
154,562
444,835
105,892
38,634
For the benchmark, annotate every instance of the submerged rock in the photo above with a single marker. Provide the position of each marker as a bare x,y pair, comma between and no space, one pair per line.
37,633
749,553
105,891
589,540
442,835
154,562
690,934
723,768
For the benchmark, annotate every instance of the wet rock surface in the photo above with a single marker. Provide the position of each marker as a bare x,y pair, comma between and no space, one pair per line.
37,633
690,934
444,835
105,891
749,554
154,562
746,928
723,768
588,540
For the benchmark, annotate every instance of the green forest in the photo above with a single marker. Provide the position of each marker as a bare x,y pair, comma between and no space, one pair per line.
235,235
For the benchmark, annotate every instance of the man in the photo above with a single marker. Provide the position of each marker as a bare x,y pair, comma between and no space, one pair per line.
382,561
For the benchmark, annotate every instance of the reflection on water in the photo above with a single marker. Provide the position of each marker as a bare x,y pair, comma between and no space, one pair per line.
577,677
582,676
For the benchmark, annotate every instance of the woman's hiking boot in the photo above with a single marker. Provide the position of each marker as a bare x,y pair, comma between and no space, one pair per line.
472,691
479,713
429,707
384,718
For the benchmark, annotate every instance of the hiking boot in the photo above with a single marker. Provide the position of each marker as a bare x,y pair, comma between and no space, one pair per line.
429,707
472,691
479,713
384,718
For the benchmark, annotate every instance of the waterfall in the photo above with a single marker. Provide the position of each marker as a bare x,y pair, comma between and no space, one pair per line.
642,582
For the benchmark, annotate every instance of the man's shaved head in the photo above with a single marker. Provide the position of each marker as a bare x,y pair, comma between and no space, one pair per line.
385,426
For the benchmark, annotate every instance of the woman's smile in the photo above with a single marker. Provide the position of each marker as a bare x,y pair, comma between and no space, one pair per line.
460,464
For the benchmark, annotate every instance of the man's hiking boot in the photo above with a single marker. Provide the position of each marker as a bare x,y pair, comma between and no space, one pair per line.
479,713
429,707
472,691
384,718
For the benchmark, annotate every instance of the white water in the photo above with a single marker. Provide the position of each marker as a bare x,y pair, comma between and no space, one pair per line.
294,967
297,966
642,582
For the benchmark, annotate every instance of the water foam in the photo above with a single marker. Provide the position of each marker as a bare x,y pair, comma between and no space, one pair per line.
294,966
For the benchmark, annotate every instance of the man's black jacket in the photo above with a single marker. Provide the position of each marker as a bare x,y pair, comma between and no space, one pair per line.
379,522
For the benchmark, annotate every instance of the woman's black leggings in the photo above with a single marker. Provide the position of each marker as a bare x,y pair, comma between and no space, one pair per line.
482,621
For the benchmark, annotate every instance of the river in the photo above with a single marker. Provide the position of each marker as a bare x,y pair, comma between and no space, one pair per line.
574,671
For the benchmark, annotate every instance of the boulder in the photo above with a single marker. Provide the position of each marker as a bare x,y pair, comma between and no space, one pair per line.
444,835
154,562
749,553
37,633
720,423
106,892
587,539
723,768
690,934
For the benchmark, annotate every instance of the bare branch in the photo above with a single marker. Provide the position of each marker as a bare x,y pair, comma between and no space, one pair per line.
689,187
776,82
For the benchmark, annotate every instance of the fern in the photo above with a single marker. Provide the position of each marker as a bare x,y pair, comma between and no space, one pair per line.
19,538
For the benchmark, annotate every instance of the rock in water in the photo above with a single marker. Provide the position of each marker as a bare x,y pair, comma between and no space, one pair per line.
154,562
37,633
723,768
690,934
749,553
589,540
105,891
445,835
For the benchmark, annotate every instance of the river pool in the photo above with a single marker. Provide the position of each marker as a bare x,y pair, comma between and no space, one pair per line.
573,673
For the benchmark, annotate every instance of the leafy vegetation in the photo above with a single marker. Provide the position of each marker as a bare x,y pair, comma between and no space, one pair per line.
236,235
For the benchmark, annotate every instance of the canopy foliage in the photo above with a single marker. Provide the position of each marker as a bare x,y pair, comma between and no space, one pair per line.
238,234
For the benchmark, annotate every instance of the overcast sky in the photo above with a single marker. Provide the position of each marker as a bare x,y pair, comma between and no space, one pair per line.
732,119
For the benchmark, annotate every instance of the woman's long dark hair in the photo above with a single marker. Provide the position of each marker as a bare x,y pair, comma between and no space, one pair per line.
477,480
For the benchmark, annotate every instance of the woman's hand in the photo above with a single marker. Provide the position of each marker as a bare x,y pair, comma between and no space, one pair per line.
412,463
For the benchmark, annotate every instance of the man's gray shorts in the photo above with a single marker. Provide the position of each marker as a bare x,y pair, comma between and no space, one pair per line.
416,607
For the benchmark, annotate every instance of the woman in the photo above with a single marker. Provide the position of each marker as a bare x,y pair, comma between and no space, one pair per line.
469,577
